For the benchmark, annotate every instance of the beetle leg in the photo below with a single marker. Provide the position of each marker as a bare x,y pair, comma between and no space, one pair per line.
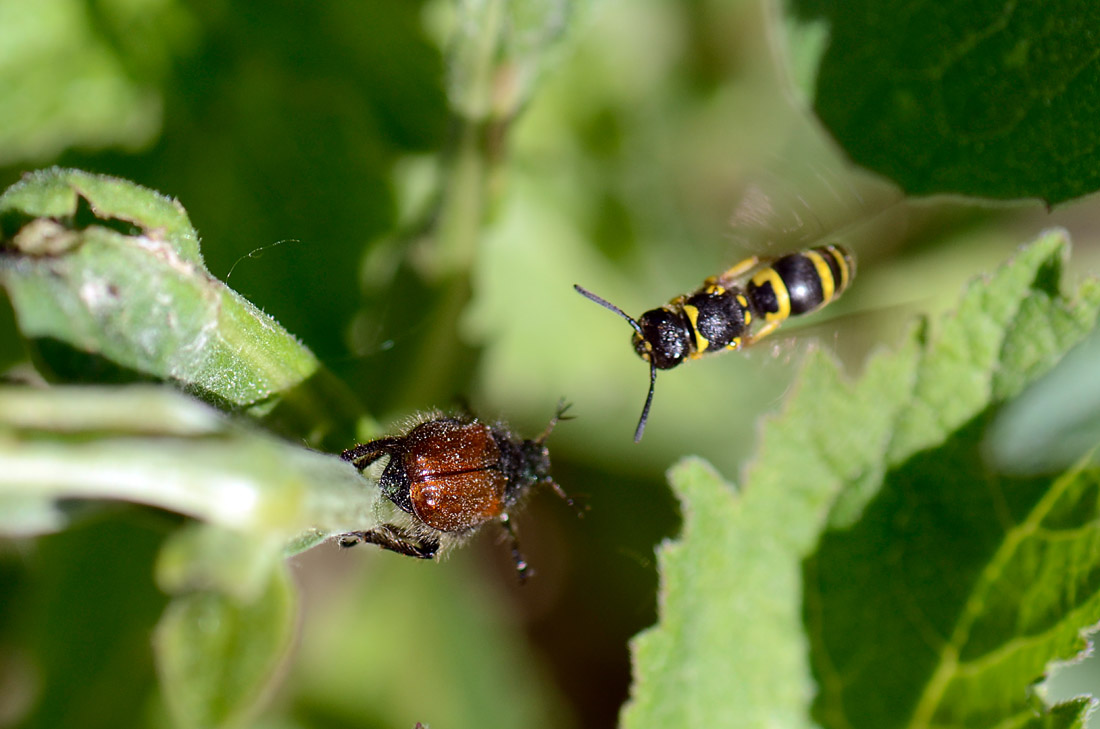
394,539
365,454
523,571
577,508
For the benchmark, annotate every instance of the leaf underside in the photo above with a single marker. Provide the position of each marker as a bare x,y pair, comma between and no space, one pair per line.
990,99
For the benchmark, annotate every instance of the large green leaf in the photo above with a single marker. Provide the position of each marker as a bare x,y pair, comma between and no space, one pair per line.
986,98
952,594
108,283
731,648
110,268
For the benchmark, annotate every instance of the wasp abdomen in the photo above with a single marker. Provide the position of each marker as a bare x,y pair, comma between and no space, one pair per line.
799,283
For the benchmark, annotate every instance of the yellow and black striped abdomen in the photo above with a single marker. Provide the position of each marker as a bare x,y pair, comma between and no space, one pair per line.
800,282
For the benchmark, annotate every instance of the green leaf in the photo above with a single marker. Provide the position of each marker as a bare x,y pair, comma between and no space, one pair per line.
108,284
950,597
216,653
112,269
731,649
987,99
208,557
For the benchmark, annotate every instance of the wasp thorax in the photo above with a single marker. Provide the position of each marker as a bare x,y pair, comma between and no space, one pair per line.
719,317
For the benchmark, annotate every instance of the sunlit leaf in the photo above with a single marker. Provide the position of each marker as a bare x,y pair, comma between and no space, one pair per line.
108,283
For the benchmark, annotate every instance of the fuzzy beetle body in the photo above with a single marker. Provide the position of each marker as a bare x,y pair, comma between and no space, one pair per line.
452,475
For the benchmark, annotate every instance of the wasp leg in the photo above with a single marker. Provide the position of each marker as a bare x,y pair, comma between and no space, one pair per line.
523,571
738,270
365,454
735,344
738,343
394,539
762,332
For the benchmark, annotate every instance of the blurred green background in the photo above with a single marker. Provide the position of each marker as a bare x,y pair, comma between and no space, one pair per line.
653,144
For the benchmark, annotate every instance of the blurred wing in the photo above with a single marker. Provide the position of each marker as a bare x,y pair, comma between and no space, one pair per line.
792,205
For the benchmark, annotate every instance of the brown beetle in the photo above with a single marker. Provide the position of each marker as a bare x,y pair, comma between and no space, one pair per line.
451,475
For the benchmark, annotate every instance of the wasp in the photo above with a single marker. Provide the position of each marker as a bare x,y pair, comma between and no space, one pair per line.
451,475
736,309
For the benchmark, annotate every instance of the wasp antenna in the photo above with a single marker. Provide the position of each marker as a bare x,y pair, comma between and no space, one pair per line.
608,305
648,401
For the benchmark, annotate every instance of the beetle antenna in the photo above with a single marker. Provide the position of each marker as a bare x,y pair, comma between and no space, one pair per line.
648,401
608,305
559,415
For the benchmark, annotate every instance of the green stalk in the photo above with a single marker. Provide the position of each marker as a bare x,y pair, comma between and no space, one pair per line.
154,446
